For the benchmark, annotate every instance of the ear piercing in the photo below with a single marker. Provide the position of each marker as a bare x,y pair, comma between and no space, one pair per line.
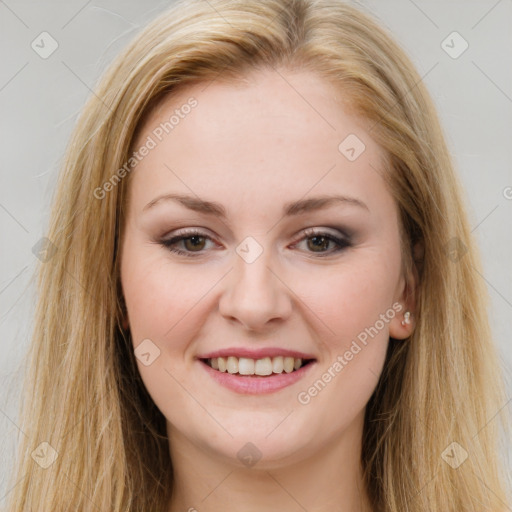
407,318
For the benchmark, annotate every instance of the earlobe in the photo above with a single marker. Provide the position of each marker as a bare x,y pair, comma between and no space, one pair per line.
402,326
407,318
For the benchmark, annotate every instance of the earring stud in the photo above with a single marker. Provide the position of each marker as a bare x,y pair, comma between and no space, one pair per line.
407,318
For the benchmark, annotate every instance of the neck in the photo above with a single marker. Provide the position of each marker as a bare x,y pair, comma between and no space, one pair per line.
329,480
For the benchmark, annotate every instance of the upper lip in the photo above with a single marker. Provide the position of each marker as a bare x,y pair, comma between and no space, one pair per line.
255,354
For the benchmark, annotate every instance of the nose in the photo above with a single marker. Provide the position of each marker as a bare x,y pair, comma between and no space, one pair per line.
256,296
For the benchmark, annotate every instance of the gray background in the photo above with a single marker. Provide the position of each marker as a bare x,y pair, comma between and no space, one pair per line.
40,99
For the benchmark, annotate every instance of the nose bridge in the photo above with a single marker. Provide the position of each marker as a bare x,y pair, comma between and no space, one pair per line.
253,266
255,293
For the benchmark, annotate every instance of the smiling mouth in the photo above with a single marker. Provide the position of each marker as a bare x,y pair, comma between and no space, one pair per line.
264,367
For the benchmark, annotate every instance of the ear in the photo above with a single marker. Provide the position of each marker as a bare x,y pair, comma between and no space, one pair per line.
402,325
124,322
123,312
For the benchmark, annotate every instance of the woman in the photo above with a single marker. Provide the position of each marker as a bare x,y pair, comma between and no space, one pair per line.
266,371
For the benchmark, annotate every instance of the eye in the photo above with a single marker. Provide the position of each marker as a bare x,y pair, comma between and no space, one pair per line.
196,239
194,242
321,239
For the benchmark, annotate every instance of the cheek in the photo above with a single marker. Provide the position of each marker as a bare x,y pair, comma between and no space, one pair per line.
164,299
355,304
353,296
160,303
159,296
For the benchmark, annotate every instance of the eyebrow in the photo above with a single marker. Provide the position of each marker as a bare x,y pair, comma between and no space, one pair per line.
290,209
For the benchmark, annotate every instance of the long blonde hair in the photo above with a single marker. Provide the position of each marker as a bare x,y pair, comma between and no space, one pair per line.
83,394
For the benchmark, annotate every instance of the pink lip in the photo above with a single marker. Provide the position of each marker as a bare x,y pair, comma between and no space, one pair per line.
256,384
255,354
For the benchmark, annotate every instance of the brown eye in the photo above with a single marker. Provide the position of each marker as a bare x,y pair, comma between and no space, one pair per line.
318,242
193,242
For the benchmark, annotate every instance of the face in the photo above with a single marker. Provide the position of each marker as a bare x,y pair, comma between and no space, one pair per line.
264,276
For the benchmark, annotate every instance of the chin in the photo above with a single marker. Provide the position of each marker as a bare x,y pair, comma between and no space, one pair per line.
263,445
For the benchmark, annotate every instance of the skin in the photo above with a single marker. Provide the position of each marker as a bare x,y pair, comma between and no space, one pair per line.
253,145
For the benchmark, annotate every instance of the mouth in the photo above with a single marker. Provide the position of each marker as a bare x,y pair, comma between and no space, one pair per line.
264,367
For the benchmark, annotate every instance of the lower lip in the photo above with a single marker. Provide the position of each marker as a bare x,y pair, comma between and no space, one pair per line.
256,384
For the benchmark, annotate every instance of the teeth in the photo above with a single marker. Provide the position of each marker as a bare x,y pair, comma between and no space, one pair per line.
278,364
246,366
263,366
232,364
288,364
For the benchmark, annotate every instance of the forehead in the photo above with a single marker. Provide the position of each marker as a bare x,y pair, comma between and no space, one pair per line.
271,135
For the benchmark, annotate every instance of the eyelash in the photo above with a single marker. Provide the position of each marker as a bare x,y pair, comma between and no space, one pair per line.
308,233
